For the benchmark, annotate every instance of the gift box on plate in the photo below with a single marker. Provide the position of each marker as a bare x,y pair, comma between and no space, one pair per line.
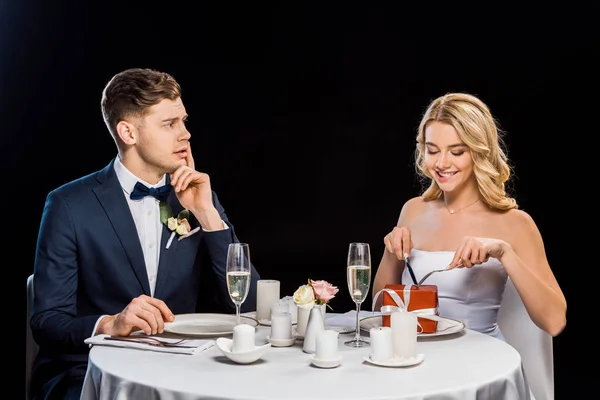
423,300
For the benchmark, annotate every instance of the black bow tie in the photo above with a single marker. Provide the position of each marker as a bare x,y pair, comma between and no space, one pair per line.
140,191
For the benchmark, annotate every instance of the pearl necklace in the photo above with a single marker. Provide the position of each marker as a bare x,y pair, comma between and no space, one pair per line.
452,211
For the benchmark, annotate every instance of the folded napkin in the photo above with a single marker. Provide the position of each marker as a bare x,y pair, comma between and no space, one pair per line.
445,324
188,346
348,319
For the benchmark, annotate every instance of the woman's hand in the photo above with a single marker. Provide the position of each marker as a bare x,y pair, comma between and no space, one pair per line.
398,242
476,250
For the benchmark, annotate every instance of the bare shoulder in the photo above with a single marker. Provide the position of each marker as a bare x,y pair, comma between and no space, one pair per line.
413,208
521,226
520,219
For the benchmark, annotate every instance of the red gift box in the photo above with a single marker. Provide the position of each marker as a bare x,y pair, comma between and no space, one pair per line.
424,297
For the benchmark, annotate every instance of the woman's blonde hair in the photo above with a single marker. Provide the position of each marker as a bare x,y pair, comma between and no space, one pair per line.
476,128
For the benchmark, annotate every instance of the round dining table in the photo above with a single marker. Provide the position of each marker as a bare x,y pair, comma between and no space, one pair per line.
463,366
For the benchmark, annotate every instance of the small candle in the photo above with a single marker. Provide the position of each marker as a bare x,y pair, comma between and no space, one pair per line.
404,334
382,349
243,338
326,345
280,308
267,294
281,325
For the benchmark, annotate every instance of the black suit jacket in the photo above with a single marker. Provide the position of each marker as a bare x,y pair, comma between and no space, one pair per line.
89,263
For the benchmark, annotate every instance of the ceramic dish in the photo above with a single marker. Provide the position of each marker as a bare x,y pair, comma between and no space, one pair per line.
407,362
325,363
281,342
246,357
202,325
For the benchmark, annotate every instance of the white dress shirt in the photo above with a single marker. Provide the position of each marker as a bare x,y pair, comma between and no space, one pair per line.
146,216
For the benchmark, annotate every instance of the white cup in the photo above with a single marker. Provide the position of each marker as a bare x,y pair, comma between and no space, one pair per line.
382,349
267,295
281,325
243,338
326,345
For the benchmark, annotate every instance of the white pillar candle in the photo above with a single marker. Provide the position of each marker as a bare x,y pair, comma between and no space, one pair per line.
243,338
279,308
382,349
293,310
404,334
281,325
267,294
326,345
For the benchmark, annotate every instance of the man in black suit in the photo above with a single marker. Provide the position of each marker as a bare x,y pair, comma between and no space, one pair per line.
108,258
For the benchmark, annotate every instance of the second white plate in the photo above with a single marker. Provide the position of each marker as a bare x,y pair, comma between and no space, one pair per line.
446,326
397,363
203,325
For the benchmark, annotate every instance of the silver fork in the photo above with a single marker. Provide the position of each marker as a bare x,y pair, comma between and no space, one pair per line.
145,339
429,274
434,271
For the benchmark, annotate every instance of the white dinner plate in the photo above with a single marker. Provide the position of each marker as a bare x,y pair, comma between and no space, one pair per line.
206,324
446,326
407,362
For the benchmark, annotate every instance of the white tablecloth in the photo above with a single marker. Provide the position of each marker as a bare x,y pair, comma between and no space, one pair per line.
464,366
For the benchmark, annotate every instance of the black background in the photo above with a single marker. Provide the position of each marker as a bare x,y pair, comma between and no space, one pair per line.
305,118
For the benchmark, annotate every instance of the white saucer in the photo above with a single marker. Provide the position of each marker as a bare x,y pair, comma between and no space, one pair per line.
281,342
325,363
405,362
246,357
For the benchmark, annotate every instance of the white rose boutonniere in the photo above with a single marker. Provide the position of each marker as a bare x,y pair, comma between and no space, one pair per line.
177,225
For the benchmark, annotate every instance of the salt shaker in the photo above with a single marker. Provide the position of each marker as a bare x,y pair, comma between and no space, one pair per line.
314,326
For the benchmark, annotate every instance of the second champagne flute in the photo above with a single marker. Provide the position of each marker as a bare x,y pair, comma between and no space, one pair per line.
359,282
238,274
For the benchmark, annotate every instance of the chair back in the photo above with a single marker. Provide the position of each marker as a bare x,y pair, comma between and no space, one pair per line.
31,348
533,344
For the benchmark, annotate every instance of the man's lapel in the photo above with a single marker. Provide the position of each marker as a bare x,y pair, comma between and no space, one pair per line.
167,256
110,195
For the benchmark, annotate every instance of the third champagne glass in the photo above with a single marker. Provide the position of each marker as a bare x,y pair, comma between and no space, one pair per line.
359,282
238,274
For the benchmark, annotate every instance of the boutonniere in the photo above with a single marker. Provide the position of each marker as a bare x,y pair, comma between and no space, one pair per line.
177,225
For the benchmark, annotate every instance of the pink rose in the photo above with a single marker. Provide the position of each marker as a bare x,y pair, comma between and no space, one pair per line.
324,290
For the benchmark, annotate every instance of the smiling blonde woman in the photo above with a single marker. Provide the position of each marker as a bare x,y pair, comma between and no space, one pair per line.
465,221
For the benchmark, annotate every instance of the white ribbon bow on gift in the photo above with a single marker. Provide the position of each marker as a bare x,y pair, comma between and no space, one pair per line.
402,306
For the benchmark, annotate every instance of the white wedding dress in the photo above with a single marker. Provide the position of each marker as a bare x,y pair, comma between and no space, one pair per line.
471,295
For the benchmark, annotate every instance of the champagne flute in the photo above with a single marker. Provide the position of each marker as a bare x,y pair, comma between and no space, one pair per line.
238,274
359,281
